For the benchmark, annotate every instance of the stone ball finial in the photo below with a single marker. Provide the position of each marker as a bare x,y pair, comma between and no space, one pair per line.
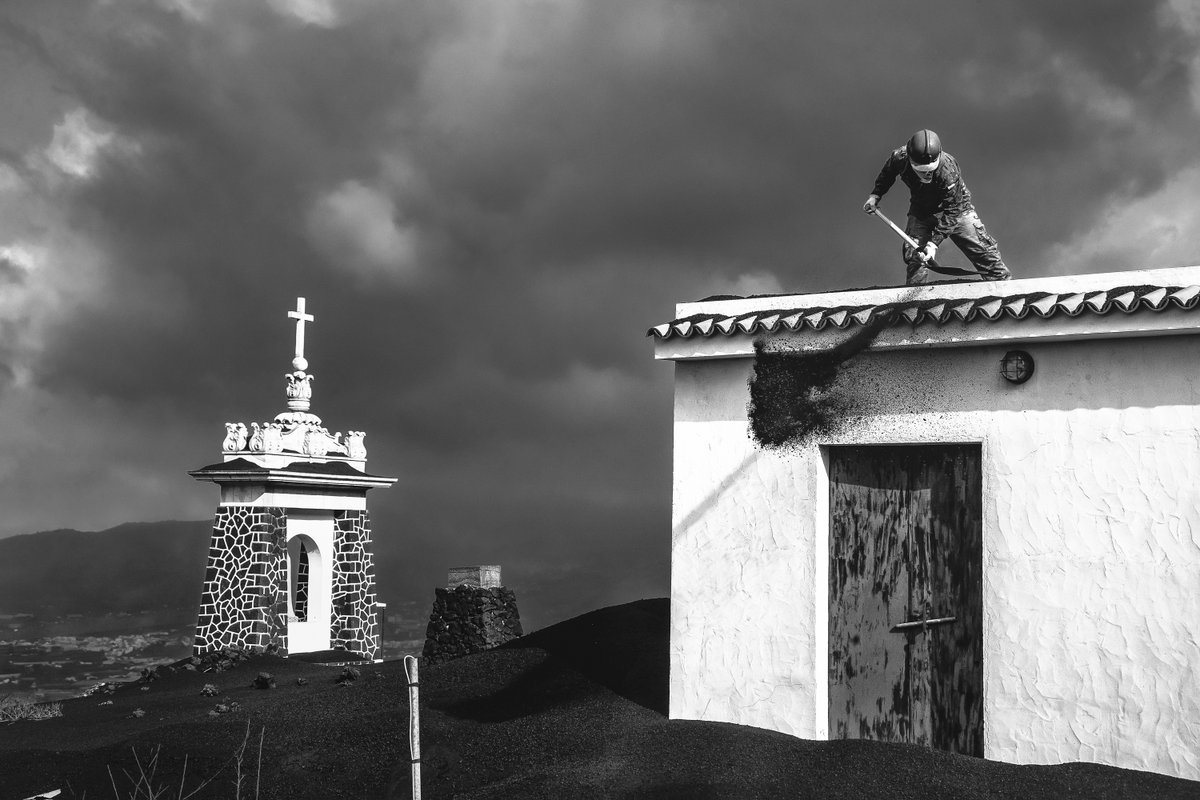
300,363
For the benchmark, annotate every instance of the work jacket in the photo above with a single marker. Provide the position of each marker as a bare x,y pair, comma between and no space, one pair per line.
945,198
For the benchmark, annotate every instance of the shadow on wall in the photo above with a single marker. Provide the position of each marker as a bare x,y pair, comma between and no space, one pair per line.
721,490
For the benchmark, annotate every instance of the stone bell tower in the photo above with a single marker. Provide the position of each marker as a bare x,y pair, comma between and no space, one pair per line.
290,568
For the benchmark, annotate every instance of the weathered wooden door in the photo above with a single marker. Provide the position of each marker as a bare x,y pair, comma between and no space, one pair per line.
905,610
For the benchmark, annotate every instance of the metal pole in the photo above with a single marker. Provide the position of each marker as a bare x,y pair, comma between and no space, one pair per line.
414,725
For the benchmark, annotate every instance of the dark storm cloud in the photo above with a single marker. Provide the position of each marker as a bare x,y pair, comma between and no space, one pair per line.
487,204
10,271
1076,105
1130,46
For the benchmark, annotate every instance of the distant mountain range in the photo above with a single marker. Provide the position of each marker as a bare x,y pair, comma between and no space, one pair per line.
138,567
146,567
133,567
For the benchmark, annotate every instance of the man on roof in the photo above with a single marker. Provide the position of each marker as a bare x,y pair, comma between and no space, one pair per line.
939,208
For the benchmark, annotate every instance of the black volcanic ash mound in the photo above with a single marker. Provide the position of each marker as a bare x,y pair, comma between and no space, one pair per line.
572,711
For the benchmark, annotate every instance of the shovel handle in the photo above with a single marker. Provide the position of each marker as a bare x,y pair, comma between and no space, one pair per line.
933,265
911,241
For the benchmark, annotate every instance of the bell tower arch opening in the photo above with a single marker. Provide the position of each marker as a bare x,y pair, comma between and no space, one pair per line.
310,581
304,564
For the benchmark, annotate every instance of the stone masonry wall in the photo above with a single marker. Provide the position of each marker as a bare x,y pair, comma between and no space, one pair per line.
244,601
353,626
469,619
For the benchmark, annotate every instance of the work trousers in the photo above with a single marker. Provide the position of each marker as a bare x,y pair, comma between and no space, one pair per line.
970,236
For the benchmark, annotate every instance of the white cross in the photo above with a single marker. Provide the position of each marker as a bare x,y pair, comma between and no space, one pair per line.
300,318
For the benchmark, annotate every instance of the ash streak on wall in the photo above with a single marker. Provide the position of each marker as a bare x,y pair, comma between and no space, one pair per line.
795,395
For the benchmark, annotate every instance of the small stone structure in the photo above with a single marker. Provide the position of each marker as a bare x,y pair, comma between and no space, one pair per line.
472,614
290,568
483,577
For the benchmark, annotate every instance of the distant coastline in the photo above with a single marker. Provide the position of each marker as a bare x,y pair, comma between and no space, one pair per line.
59,657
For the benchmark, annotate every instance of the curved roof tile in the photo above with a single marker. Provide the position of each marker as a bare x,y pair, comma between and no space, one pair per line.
1186,296
1127,299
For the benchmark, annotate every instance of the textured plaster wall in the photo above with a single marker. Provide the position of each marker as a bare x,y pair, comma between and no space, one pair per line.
1091,502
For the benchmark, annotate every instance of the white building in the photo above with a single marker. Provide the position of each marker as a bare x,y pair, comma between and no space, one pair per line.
1009,569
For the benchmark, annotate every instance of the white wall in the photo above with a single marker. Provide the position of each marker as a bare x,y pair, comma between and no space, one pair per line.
1091,586
313,636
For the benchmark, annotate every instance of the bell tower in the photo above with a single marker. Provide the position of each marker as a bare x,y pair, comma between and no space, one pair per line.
290,567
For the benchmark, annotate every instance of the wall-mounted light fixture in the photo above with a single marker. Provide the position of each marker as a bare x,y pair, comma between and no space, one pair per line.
1016,366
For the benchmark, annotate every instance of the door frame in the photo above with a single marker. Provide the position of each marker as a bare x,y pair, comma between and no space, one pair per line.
821,551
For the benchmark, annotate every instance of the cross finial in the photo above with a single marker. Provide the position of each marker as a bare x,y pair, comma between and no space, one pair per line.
299,362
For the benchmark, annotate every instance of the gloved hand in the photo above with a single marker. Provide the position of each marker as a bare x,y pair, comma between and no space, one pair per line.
928,252
872,201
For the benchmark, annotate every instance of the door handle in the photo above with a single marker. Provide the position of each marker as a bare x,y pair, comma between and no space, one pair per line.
921,624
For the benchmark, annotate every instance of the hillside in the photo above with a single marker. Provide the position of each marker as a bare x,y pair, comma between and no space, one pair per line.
574,710
142,567
129,568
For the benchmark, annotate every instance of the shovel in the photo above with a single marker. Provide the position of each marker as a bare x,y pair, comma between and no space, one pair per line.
931,264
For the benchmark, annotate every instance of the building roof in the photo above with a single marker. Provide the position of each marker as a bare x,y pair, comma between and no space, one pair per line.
333,474
1075,306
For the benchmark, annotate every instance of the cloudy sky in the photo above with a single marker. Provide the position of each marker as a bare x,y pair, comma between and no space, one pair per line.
487,204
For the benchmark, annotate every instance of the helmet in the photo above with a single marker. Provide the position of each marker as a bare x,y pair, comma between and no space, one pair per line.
924,151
